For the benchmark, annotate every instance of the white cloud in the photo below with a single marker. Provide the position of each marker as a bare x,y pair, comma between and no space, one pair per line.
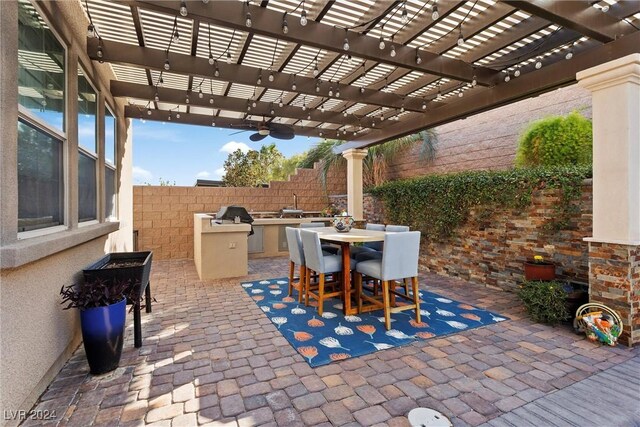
218,173
232,146
141,175
203,174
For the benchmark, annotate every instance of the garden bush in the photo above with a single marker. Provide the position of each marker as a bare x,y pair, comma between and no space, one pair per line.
555,141
544,301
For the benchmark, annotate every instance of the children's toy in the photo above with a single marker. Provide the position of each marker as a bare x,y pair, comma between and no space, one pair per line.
599,323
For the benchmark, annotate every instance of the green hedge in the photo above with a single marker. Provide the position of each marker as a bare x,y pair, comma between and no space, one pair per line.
556,141
438,204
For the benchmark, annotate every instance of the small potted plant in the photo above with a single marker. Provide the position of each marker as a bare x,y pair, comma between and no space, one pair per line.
539,269
544,302
330,211
102,306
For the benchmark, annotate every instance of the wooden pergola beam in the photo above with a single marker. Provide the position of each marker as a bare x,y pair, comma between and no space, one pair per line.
268,23
576,15
550,77
227,103
122,53
135,112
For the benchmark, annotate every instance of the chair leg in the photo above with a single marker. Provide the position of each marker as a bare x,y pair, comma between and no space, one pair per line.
307,280
320,293
291,268
302,288
416,297
358,283
406,286
385,300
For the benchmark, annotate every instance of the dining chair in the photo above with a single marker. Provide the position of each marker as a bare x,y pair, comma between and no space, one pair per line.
368,246
321,264
296,257
399,261
332,249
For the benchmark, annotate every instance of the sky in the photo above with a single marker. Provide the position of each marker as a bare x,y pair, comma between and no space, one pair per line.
183,153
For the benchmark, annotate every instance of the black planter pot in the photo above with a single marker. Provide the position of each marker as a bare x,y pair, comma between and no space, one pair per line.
137,274
577,295
103,336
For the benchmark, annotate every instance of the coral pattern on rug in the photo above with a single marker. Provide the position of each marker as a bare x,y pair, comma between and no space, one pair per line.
333,336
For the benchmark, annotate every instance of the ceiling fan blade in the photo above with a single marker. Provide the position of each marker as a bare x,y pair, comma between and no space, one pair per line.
280,128
240,131
257,137
279,135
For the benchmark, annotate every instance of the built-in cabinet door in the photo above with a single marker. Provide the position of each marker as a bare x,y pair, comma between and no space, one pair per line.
283,246
256,240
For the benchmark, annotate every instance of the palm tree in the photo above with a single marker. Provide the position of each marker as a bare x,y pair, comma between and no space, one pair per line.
378,157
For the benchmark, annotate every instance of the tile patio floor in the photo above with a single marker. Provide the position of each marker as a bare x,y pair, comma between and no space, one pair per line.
210,356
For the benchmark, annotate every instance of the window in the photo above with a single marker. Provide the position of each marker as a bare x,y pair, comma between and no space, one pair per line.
87,146
41,138
41,68
40,179
110,163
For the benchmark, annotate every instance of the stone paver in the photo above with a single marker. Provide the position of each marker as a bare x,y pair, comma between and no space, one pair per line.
211,357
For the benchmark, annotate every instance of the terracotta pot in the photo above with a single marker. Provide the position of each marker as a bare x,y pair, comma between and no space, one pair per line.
539,271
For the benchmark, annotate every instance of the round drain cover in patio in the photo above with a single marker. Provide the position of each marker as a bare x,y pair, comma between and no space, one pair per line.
425,417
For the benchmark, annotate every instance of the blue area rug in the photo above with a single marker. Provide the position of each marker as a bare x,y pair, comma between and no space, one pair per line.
333,336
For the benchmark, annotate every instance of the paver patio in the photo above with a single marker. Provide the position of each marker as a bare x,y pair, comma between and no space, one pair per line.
211,356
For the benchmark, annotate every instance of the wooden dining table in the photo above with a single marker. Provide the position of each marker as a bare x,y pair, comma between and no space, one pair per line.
355,235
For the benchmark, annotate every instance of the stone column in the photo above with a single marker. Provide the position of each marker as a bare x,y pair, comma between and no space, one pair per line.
354,158
614,248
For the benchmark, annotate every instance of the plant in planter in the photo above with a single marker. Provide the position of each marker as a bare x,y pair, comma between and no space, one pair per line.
545,301
102,306
539,269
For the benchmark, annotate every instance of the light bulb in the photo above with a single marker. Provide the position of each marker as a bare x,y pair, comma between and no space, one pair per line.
418,59
228,57
474,81
507,77
259,81
393,51
569,54
200,94
254,104
167,66
176,36
91,31
183,8
205,1
169,118
210,59
382,117
304,107
280,104
319,133
294,87
285,26
212,123
424,105
344,114
405,15
308,116
100,53
434,14
538,63
402,109
516,73
330,91
186,100
248,21
216,73
317,87
460,39
248,107
211,101
303,17
315,70
605,8
178,116
160,80
271,76
322,108
346,46
338,93
156,97
361,89
273,112
381,45
148,111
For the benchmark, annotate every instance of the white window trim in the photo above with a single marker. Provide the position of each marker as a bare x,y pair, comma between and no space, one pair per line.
113,217
25,114
107,107
94,156
41,232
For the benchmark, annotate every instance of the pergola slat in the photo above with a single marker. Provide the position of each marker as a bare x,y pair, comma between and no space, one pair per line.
548,78
268,23
573,14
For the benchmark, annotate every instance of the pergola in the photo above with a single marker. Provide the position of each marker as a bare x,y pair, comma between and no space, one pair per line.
361,71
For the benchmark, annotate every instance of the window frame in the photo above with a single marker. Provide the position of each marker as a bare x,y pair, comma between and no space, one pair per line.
82,150
114,167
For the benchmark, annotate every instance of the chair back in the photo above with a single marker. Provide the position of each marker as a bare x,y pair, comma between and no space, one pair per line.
400,256
313,255
374,245
397,228
295,245
311,224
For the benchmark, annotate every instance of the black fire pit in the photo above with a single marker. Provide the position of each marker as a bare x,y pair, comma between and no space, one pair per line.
132,267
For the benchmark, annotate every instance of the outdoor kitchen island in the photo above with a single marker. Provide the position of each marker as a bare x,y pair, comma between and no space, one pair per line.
223,250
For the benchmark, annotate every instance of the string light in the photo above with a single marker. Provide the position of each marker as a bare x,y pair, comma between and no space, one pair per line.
320,133
156,97
228,57
434,14
330,90
272,111
176,35
569,54
317,86
248,21
381,44
294,87
507,77
280,104
516,73
303,16
216,71
361,89
460,37
393,51
404,18
183,8
186,100
271,76
99,53
474,81
259,81
167,65
210,59
169,118
418,58
309,116
91,31
211,100
304,104
338,92
177,115
205,1
538,62
345,114
285,26
424,104
316,71
148,111
460,94
346,46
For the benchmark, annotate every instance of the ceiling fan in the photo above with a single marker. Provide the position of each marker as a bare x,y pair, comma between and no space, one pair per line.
264,129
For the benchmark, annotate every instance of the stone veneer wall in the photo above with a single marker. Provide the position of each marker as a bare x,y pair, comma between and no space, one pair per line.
163,215
614,278
491,251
